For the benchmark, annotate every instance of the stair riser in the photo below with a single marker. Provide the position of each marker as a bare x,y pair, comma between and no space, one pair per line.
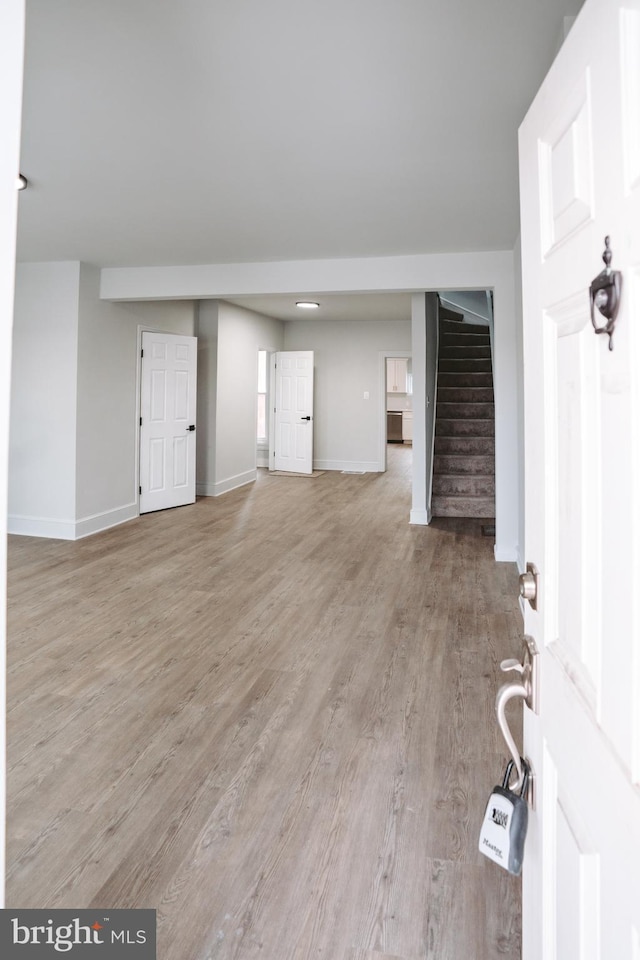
465,339
463,507
464,366
464,379
457,329
465,394
471,486
467,446
444,463
465,428
467,352
456,411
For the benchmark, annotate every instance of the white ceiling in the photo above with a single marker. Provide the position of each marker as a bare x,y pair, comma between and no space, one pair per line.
355,306
214,131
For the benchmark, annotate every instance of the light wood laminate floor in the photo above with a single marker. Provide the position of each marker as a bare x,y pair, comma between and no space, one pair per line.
270,717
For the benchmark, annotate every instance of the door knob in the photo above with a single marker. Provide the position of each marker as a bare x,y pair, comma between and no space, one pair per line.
528,582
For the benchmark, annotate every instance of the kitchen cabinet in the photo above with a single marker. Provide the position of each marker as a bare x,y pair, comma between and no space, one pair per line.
397,374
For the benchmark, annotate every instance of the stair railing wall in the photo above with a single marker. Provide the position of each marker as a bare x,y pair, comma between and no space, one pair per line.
431,385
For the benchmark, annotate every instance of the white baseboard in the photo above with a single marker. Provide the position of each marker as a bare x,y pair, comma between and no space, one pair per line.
102,521
504,554
70,529
420,517
41,527
205,489
224,486
356,466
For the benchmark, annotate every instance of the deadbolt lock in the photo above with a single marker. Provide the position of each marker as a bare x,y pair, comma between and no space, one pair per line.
529,581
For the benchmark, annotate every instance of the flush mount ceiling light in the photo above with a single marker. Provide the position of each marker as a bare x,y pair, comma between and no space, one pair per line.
22,183
307,304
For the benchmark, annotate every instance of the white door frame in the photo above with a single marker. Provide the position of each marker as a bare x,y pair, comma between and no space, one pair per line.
11,71
382,401
269,404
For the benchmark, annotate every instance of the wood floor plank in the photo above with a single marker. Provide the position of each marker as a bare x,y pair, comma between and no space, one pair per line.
270,717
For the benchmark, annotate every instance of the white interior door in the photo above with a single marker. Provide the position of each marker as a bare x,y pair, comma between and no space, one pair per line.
167,421
292,437
580,181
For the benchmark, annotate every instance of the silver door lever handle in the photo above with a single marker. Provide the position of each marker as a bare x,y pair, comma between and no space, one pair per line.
507,692
525,688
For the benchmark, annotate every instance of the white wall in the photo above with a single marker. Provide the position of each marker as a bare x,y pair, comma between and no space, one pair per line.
73,440
347,364
419,512
107,387
42,451
207,329
229,340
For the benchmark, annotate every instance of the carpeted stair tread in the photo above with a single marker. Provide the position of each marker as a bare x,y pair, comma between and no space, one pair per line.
478,446
455,411
463,394
463,365
465,485
476,352
456,327
465,428
457,464
461,378
479,507
464,339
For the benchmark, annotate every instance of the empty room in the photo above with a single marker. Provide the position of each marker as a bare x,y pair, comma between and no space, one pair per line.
320,469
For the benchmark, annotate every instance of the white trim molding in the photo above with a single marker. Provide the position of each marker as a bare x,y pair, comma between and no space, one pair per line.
225,486
70,529
41,527
350,466
104,521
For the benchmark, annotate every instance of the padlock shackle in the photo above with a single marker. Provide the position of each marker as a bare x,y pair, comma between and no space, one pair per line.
525,777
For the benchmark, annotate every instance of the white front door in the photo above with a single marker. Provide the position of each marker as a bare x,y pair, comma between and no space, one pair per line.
167,421
580,181
292,437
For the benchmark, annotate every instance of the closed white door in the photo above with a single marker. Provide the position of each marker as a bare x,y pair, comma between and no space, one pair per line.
167,421
580,181
292,441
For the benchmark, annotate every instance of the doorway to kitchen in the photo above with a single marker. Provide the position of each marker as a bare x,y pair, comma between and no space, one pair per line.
397,395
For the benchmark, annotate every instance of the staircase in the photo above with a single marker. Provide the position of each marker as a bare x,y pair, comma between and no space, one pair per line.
464,455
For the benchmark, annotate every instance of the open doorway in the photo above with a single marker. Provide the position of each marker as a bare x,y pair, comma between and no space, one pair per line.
399,400
396,414
262,420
